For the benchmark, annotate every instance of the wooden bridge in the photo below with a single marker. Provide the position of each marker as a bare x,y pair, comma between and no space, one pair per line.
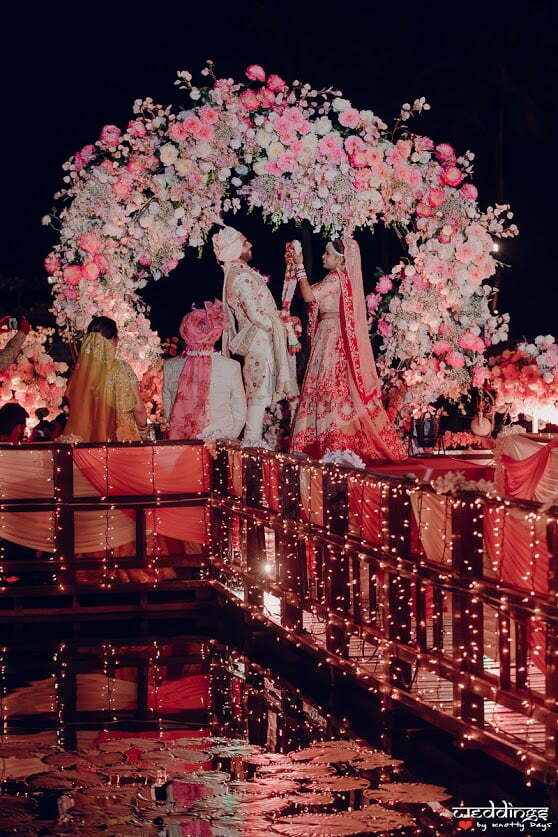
425,598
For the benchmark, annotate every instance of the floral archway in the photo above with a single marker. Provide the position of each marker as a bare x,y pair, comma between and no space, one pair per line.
134,200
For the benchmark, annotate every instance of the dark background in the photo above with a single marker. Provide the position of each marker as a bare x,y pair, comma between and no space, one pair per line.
490,72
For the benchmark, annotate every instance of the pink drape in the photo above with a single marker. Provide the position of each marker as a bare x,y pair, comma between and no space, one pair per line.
270,474
522,476
189,413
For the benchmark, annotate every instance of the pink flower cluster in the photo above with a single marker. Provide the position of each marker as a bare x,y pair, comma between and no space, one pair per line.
34,379
525,379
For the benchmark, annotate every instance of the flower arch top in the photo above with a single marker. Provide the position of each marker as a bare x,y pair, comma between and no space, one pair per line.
134,200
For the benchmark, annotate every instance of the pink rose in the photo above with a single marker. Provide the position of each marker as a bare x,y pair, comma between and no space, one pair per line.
384,328
272,167
205,131
70,293
423,210
372,302
169,265
135,166
121,189
255,73
384,284
276,83
452,176
404,147
455,359
446,234
110,135
445,153
358,159
440,347
90,271
178,131
72,274
286,161
423,144
209,115
469,192
480,374
374,156
471,343
354,144
101,262
83,157
52,263
145,261
349,118
266,97
250,99
443,328
136,128
331,147
191,124
90,242
435,197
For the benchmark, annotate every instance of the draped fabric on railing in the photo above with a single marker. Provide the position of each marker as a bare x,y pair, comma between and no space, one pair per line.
527,467
180,469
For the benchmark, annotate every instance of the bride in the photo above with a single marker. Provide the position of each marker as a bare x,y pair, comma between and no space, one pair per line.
340,405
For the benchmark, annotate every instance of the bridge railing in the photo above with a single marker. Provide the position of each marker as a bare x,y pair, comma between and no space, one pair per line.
446,604
101,515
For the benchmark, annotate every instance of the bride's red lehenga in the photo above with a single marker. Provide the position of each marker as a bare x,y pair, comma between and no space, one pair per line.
340,405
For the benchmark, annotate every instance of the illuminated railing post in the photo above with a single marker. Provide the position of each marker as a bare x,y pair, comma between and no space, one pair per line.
64,545
399,586
290,490
290,579
468,626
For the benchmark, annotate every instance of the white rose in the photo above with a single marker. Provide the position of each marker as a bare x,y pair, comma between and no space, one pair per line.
183,166
323,125
341,104
263,138
275,149
310,141
223,174
168,153
203,150
179,212
260,167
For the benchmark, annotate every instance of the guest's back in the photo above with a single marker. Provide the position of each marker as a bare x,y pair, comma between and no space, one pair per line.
226,410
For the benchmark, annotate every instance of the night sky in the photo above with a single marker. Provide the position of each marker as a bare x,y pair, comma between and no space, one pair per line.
490,72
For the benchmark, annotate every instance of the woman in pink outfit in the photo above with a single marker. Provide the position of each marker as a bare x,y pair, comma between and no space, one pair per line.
340,405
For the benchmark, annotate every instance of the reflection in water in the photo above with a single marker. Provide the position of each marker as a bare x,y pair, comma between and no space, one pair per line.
187,737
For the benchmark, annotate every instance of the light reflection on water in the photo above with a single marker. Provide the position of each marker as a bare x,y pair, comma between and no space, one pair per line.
184,736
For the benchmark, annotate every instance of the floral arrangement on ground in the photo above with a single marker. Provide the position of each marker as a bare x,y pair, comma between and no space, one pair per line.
135,199
525,379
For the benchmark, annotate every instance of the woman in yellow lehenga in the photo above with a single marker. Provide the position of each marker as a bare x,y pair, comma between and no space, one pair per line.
105,404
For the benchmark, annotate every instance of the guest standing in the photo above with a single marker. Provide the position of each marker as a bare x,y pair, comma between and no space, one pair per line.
203,393
103,394
13,418
340,405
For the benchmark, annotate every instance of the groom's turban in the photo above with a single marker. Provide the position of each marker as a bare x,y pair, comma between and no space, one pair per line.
227,244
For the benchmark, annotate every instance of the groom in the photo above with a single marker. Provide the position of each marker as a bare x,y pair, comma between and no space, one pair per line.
258,332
